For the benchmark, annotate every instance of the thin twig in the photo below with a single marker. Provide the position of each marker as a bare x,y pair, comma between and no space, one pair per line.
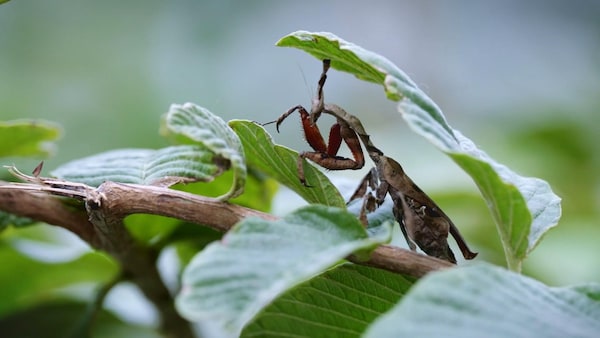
125,199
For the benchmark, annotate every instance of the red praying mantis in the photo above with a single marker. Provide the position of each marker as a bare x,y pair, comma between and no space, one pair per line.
422,222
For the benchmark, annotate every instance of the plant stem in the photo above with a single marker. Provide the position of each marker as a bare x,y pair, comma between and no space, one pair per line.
102,227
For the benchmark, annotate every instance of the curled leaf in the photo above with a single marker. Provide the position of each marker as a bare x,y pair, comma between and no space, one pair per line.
192,124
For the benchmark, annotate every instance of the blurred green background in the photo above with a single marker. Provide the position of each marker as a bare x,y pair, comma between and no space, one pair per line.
522,79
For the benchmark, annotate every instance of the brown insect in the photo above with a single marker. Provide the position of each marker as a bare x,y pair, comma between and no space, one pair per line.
325,154
421,220
423,223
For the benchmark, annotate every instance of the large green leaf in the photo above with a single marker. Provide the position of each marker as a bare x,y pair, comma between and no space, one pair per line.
65,319
341,302
26,281
487,301
280,163
27,138
163,167
523,208
192,124
231,281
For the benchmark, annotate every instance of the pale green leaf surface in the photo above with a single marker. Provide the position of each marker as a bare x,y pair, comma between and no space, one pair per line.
280,163
531,209
341,302
487,301
229,282
27,138
193,124
162,167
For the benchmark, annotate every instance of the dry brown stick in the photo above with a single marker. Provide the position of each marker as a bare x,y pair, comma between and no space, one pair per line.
45,208
124,199
103,231
403,261
102,227
128,199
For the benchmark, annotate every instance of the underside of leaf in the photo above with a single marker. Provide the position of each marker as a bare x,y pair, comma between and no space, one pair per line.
487,301
229,282
162,167
192,124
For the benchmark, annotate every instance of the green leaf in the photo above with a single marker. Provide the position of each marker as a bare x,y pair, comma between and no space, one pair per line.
162,167
27,138
348,57
159,231
523,208
487,301
229,282
189,239
341,302
150,229
258,191
26,281
509,205
7,220
280,163
62,319
192,124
